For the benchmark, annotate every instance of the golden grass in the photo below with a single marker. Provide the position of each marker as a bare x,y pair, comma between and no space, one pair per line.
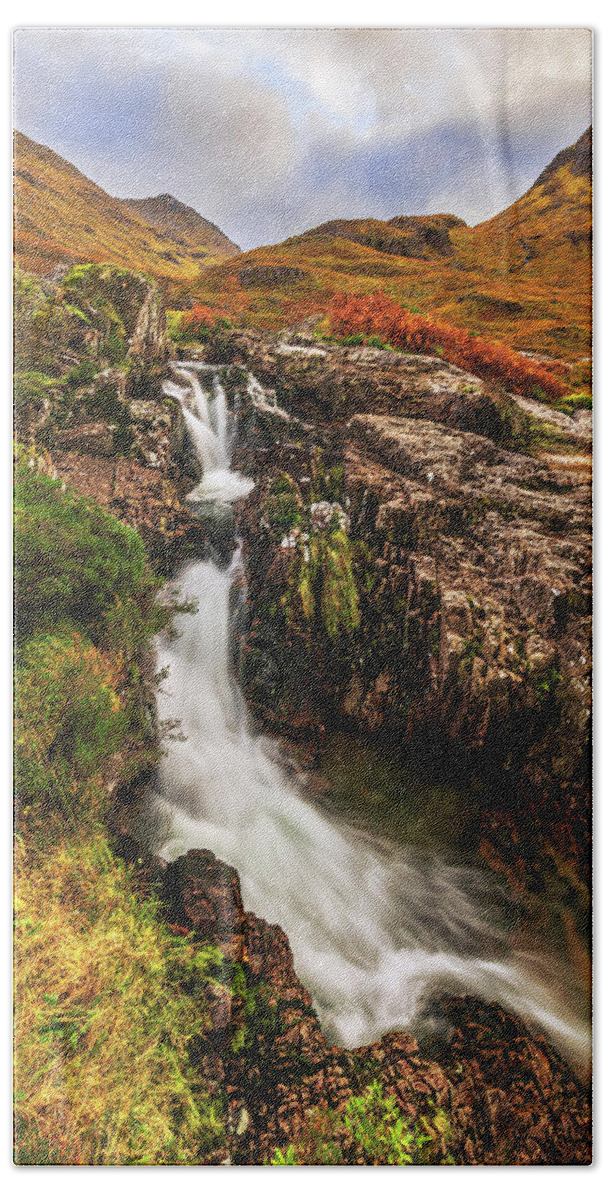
102,1029
63,217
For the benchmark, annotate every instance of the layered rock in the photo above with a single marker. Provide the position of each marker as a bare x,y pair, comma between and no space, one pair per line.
100,413
472,566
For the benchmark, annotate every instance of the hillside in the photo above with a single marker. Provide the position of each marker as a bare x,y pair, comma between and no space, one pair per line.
523,277
62,218
173,220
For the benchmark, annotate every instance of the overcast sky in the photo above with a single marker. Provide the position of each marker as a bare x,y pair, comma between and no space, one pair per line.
268,132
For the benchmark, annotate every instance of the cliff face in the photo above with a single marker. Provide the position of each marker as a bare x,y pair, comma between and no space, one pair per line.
470,564
91,354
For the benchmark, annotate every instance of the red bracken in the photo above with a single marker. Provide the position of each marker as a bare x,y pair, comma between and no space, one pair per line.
376,314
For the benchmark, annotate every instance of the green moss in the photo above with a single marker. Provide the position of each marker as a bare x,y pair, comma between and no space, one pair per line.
283,507
339,597
44,326
573,402
83,373
372,1131
334,484
32,389
322,587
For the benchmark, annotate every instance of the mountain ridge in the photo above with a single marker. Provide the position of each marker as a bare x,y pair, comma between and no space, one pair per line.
523,277
62,217
171,217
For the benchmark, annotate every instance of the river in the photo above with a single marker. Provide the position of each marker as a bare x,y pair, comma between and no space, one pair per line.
377,926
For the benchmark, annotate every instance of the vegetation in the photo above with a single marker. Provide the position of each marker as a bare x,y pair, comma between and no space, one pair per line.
44,327
60,216
74,561
70,722
370,1131
322,591
576,400
379,316
106,1019
105,1031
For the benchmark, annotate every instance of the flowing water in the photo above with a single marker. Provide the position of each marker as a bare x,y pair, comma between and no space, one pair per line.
377,927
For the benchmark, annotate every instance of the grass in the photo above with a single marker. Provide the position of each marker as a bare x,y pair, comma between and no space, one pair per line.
103,1030
109,1005
74,561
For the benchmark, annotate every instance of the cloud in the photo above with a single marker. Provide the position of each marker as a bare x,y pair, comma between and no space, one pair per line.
269,131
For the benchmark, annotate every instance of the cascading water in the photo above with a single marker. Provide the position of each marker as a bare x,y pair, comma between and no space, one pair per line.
206,415
376,929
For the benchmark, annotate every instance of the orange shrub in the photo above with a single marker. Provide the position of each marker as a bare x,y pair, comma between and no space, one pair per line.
378,315
201,317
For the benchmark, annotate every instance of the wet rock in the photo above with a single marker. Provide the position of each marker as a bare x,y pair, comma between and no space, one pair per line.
505,1095
472,565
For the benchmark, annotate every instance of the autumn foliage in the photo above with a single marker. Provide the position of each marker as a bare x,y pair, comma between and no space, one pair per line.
378,316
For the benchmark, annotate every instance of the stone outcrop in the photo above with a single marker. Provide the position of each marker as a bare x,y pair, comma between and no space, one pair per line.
504,1096
106,428
472,564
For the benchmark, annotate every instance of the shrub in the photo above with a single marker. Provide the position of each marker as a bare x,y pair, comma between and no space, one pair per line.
377,315
370,1130
199,323
73,559
104,1027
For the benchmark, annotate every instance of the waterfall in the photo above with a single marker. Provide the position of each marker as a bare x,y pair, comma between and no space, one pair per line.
206,414
376,929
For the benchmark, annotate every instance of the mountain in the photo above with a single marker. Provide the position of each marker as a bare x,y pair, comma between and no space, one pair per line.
61,217
173,220
547,232
523,277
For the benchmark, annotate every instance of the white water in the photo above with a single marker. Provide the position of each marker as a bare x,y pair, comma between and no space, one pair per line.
206,416
375,929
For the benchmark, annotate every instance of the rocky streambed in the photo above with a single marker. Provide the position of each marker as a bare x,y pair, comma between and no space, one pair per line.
417,580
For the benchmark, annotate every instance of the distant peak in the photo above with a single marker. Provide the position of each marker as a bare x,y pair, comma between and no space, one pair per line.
578,157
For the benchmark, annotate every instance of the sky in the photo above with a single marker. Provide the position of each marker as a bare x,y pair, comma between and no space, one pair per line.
271,131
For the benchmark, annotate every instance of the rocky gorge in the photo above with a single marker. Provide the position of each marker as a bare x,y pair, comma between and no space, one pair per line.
417,559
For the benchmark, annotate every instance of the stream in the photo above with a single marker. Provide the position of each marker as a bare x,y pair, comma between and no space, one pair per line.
377,926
